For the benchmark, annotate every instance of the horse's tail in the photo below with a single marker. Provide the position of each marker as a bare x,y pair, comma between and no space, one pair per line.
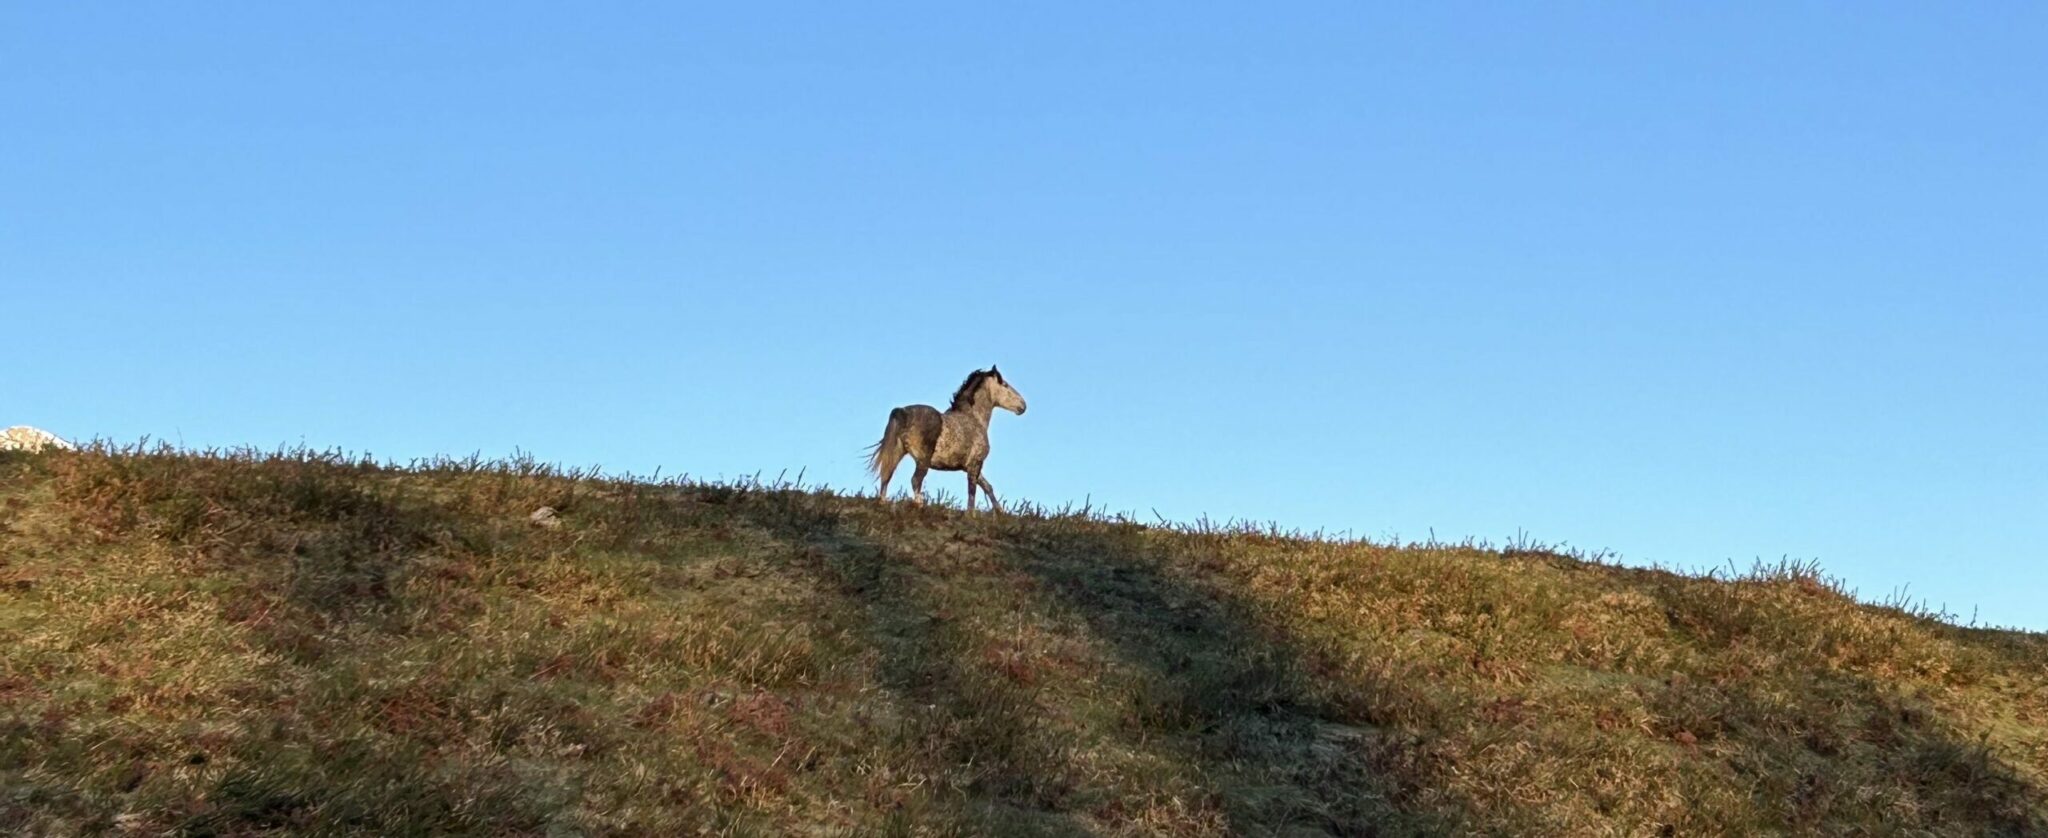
889,450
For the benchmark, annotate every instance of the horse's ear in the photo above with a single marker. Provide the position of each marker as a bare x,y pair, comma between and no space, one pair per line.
995,372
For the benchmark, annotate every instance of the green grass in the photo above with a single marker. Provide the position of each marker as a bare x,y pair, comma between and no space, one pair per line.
254,643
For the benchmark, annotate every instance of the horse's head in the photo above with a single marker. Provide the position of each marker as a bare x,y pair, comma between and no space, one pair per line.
1006,397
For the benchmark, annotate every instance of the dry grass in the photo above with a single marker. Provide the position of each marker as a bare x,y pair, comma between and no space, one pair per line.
247,643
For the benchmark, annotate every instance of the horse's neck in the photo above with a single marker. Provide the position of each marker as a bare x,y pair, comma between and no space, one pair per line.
981,409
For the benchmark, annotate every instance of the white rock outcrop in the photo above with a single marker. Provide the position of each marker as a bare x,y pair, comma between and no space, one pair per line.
545,517
25,438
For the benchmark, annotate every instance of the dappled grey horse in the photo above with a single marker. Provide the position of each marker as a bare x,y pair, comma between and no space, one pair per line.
956,440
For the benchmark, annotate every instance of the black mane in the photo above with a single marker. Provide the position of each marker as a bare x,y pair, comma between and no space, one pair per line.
965,395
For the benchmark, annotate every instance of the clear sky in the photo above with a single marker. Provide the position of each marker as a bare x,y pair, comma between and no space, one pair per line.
1691,283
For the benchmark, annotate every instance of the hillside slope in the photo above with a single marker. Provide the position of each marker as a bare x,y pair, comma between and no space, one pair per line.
259,643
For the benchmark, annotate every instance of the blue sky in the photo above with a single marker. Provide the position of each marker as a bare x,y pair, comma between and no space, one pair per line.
1691,284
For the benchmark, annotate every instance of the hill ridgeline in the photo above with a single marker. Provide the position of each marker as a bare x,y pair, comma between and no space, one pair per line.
245,643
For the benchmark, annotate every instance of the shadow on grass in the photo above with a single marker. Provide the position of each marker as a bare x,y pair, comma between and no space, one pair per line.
1230,704
1823,748
1270,738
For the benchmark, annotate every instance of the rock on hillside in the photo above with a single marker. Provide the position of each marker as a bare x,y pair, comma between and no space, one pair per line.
25,438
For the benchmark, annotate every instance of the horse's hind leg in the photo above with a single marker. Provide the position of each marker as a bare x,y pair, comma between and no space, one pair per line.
917,482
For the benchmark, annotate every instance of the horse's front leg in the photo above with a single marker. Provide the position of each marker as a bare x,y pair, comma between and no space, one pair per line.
970,493
986,489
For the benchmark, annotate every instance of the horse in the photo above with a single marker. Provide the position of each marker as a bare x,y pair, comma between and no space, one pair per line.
956,440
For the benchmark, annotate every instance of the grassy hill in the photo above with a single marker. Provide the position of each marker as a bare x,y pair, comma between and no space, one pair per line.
241,644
